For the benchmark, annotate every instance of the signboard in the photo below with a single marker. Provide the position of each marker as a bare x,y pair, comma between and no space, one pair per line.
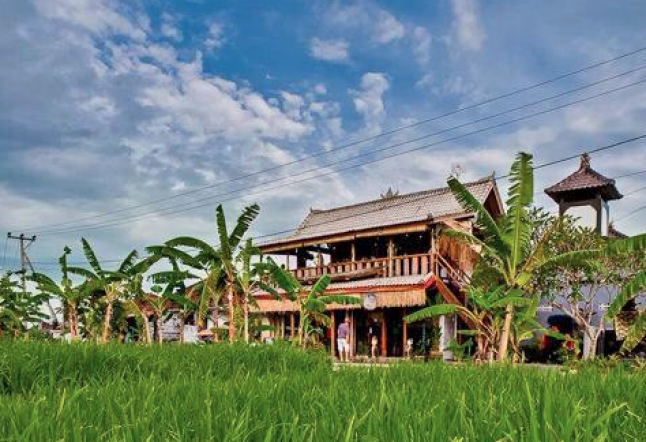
370,301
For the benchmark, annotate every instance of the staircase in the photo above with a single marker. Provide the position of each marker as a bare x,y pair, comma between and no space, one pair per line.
447,274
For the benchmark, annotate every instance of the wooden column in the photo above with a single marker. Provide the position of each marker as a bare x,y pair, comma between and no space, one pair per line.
332,335
383,335
352,333
291,325
282,326
404,331
433,251
391,255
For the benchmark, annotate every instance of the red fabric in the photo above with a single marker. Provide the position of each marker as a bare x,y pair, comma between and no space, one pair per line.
429,282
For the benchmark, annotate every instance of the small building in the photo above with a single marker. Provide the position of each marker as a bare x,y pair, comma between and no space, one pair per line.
586,192
388,253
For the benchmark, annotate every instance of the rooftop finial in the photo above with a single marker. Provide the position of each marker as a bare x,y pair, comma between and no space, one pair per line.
389,194
585,161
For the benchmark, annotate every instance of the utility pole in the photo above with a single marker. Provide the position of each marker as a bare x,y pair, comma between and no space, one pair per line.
25,242
24,259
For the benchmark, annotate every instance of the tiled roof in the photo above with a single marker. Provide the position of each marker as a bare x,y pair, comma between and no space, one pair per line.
391,211
585,178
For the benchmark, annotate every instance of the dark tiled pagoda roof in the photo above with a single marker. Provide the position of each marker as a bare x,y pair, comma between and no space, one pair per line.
584,180
390,210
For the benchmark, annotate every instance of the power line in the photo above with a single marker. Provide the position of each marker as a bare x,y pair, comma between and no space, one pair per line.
630,214
633,192
409,201
189,206
357,142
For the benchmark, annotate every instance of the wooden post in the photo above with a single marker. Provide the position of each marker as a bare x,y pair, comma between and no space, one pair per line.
332,335
391,254
352,333
433,251
404,331
282,326
291,325
383,334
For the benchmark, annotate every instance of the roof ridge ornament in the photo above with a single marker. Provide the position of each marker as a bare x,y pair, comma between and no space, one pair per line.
585,161
389,194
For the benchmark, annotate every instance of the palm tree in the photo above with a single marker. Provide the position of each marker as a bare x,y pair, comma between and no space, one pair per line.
68,294
219,265
505,248
633,245
311,301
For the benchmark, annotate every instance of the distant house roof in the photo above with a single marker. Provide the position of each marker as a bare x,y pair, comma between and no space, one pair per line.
614,233
585,179
390,210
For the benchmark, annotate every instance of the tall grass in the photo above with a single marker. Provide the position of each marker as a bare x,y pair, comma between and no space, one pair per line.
275,393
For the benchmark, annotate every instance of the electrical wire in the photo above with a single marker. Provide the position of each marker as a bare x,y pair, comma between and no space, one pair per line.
354,143
174,209
421,197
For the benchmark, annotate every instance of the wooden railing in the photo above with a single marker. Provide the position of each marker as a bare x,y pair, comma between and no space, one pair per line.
405,265
446,268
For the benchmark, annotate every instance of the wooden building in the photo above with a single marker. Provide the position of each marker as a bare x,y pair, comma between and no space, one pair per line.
388,253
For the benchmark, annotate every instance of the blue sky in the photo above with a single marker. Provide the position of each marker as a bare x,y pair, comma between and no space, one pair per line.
108,104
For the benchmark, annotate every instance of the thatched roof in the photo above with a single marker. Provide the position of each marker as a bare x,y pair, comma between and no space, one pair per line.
405,298
400,291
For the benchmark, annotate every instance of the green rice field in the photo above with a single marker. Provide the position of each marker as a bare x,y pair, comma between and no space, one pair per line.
60,392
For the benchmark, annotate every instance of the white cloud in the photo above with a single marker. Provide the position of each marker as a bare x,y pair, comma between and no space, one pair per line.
169,29
425,82
367,18
98,16
320,89
329,50
368,100
387,28
422,45
215,39
469,33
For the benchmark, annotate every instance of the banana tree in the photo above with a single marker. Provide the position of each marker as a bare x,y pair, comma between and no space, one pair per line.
636,285
218,265
69,295
173,297
17,308
311,301
109,283
247,280
506,251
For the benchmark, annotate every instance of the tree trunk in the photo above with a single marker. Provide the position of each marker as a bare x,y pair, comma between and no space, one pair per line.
182,320
504,336
106,321
232,327
72,321
146,326
590,338
158,328
246,321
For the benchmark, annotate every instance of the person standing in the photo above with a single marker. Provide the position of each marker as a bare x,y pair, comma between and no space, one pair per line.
342,340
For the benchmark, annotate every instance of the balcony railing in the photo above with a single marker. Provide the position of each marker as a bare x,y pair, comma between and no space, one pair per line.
405,265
